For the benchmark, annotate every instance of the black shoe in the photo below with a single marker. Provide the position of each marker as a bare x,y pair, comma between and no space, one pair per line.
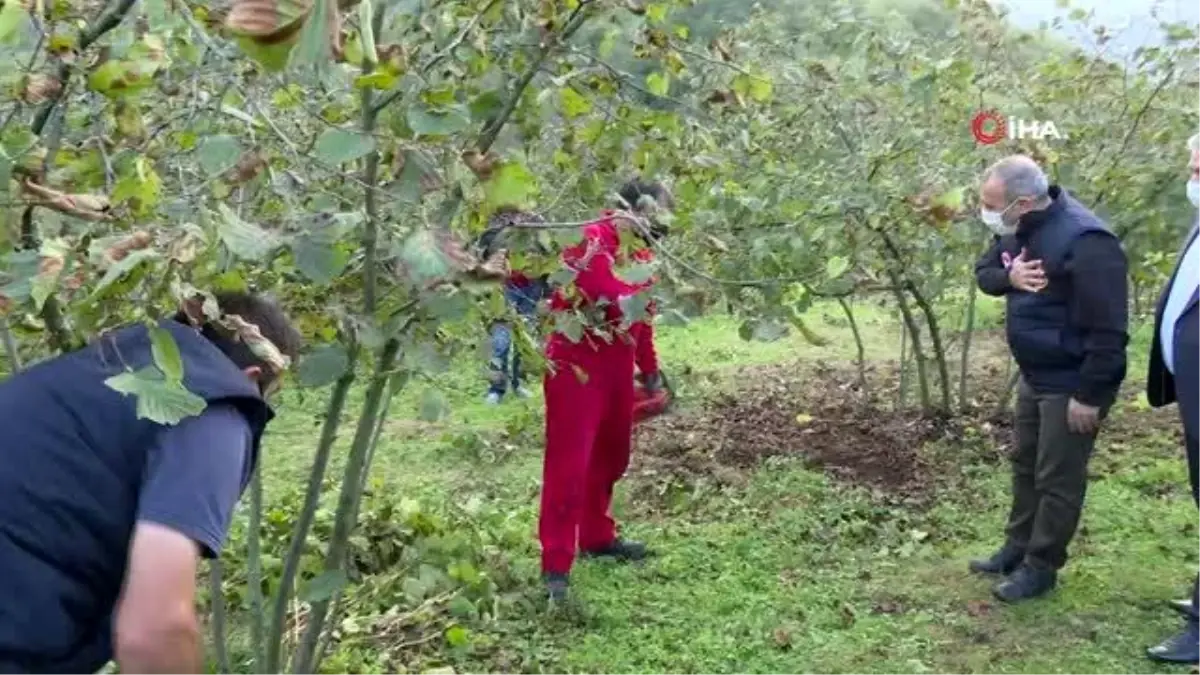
1025,582
556,587
621,550
1005,561
1184,607
1184,647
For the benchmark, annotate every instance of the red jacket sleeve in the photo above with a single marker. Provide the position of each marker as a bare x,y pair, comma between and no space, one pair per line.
594,275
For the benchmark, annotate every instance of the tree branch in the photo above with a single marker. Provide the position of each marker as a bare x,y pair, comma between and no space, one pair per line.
492,130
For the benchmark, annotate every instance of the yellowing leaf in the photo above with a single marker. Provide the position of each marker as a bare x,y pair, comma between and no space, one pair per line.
511,184
13,18
658,83
573,103
804,419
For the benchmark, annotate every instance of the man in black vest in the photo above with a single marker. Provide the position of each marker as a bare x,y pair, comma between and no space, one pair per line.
1062,273
1175,377
104,515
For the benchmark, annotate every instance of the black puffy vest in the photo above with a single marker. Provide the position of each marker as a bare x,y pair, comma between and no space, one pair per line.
1047,347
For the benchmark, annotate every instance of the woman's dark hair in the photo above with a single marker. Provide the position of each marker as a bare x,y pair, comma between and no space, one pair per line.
264,313
633,191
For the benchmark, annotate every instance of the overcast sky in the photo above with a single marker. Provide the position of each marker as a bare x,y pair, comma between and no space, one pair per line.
1132,20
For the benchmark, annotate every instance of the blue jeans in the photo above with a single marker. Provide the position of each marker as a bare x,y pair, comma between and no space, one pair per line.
506,370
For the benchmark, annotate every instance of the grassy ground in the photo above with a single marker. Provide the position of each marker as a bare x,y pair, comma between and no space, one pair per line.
794,570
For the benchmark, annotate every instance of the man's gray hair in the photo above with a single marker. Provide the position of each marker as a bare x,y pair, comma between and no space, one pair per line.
1194,143
1021,177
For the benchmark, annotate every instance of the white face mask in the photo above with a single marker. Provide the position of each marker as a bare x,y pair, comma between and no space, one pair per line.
1193,192
995,220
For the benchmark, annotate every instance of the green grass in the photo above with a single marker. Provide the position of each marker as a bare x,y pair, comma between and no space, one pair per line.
794,571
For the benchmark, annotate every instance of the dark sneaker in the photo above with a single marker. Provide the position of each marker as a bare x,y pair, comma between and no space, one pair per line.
1025,583
1183,647
1004,562
556,587
621,550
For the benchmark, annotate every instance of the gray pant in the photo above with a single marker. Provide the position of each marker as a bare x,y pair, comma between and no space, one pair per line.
1049,478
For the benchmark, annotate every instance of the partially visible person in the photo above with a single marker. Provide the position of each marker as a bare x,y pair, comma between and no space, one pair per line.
1174,377
1063,275
589,408
647,199
106,515
522,291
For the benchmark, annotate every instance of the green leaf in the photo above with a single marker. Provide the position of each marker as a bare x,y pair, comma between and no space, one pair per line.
656,12
380,79
425,121
140,188
658,83
218,154
13,18
511,184
407,186
769,330
323,586
313,47
457,636
158,399
422,257
338,146
323,365
836,267
166,354
244,240
121,78
573,103
638,273
633,307
433,406
486,106
760,89
569,325
319,260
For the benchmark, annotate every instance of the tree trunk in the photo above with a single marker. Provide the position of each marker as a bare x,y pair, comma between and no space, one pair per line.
217,599
965,363
254,576
861,352
1009,387
902,392
914,336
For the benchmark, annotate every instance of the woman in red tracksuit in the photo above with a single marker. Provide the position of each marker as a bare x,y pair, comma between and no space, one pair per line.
589,406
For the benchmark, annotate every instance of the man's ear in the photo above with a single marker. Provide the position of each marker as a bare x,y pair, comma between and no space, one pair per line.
254,373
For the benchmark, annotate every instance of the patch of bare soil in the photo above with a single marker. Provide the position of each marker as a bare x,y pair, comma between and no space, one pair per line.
857,435
822,415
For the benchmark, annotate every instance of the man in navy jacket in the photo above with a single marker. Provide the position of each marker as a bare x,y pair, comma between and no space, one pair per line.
105,515
1175,377
1063,275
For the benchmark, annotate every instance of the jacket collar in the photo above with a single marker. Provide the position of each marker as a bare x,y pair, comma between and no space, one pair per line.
1034,219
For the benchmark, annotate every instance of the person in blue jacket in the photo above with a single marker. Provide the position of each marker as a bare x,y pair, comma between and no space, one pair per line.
105,515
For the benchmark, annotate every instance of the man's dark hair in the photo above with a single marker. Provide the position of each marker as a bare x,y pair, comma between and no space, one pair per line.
264,313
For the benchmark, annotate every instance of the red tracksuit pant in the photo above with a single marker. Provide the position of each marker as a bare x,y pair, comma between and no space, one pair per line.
645,357
589,428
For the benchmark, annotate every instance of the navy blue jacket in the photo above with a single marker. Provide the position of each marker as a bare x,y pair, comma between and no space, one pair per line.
1069,338
1163,387
71,465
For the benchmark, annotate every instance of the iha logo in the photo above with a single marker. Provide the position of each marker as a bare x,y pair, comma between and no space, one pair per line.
989,127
